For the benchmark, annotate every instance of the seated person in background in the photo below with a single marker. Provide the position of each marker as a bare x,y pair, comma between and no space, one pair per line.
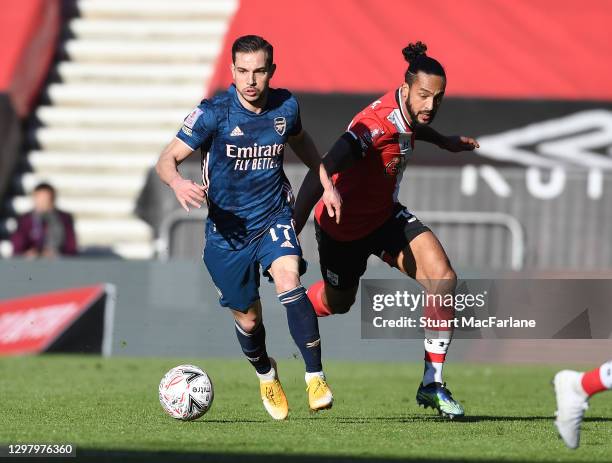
46,231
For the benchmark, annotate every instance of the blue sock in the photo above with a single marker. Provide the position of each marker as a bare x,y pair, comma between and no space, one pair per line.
254,347
303,326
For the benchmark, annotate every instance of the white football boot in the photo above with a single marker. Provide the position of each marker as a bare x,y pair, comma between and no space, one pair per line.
571,405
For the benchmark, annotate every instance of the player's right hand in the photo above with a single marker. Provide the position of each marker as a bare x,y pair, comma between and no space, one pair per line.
333,202
188,192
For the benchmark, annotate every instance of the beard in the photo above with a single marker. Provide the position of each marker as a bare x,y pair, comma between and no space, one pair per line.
414,115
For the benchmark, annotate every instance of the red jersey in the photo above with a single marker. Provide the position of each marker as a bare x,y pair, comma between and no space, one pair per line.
370,186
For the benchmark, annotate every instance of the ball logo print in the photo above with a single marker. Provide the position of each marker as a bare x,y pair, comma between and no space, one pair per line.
186,392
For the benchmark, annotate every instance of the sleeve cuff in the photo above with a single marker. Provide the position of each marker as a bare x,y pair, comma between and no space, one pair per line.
185,143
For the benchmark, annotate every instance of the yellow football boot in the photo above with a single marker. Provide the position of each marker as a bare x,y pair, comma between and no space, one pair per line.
320,396
273,396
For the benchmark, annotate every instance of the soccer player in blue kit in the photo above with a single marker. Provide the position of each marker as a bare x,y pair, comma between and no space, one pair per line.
242,135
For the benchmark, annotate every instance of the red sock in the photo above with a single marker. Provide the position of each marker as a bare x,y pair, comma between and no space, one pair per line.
439,314
315,294
592,383
437,340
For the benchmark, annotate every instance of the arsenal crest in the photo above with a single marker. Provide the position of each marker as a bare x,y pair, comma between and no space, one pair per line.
280,124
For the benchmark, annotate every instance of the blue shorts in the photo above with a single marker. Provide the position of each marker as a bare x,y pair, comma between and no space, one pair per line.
235,273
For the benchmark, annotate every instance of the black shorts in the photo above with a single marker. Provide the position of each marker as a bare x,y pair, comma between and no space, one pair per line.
343,262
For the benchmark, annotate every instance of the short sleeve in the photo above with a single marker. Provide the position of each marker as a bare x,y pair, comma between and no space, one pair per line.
366,130
198,126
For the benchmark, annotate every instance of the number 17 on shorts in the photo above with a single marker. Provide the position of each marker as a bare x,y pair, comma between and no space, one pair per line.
280,240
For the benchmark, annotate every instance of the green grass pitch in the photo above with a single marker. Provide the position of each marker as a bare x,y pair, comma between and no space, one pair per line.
109,409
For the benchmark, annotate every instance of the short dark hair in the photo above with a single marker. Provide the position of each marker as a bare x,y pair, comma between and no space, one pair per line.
44,186
251,44
418,61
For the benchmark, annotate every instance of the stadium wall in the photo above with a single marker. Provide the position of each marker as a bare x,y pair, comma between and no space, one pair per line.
564,221
171,309
490,48
28,33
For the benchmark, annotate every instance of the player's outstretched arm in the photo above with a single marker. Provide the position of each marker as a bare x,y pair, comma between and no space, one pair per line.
340,157
316,184
454,143
186,191
308,195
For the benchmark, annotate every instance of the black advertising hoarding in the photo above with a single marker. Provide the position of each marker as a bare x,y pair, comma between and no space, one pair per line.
327,116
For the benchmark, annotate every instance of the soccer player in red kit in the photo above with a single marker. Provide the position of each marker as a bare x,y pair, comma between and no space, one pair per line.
367,162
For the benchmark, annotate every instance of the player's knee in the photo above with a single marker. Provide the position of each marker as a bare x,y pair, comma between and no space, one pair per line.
248,325
441,279
248,322
286,281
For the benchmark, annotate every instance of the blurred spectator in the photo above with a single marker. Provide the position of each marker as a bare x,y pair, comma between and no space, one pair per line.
46,231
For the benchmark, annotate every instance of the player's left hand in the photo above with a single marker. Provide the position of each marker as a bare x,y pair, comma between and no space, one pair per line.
333,202
459,143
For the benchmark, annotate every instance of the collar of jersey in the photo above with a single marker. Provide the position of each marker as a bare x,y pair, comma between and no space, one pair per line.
234,92
401,108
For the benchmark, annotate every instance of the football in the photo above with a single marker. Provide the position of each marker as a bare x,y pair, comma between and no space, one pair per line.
186,392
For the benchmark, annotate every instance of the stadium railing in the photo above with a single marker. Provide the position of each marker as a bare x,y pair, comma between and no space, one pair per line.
498,219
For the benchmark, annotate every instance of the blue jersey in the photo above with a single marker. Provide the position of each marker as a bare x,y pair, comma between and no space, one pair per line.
242,162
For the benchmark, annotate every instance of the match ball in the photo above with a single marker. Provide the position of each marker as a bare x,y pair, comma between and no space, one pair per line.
186,392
